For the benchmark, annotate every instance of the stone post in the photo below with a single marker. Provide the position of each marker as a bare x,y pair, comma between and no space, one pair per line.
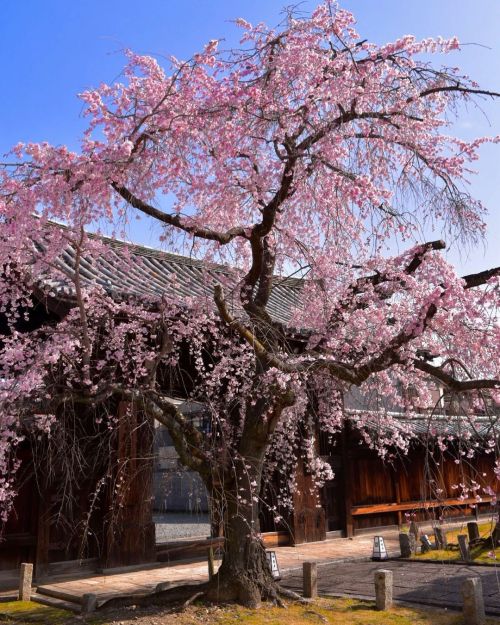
495,535
473,531
407,545
463,544
426,543
89,603
25,578
472,593
310,579
383,589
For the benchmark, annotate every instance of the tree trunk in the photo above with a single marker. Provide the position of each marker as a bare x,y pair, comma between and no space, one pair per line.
244,575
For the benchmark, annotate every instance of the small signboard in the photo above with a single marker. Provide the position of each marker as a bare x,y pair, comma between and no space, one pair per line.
379,550
273,564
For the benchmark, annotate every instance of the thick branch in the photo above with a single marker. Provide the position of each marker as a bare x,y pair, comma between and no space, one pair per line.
188,441
477,279
377,279
453,383
341,371
175,220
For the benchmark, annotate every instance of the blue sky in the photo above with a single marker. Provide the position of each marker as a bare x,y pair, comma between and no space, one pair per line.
53,49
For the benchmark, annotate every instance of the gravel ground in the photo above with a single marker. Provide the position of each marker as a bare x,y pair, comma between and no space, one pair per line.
175,525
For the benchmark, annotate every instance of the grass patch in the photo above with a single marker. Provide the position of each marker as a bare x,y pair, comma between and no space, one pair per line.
27,612
483,554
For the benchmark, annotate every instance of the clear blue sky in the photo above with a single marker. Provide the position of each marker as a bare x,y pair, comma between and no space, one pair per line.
53,49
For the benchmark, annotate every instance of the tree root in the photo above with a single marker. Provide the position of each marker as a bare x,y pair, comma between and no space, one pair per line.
189,601
184,595
290,594
180,597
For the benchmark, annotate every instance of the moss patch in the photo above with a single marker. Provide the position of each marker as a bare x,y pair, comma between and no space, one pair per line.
26,612
326,611
483,554
334,612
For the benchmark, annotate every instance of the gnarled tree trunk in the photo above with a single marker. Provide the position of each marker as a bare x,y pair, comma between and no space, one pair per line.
244,575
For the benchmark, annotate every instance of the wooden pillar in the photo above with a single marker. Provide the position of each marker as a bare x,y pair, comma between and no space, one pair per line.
397,493
130,532
308,522
348,480
43,536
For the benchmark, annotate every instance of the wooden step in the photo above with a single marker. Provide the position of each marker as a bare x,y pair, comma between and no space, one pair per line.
52,602
63,595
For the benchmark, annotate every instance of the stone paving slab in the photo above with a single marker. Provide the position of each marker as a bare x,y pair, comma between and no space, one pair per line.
430,584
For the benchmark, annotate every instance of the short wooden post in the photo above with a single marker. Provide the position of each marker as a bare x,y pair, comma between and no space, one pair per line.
473,531
415,531
463,544
472,593
25,579
407,545
383,589
89,603
211,563
441,539
310,579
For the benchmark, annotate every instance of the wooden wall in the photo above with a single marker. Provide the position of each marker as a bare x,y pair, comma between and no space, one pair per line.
307,522
112,527
413,487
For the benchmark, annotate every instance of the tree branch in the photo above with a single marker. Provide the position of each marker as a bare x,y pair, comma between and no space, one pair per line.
453,383
175,220
477,279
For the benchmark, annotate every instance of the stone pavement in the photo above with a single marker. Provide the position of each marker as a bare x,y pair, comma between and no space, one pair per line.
146,579
344,568
432,584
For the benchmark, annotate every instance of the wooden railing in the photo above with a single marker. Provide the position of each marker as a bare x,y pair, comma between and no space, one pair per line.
414,505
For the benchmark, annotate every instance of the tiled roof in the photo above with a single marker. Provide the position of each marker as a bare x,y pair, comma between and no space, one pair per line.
127,269
478,426
374,412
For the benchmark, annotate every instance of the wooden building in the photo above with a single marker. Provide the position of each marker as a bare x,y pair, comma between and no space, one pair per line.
365,492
